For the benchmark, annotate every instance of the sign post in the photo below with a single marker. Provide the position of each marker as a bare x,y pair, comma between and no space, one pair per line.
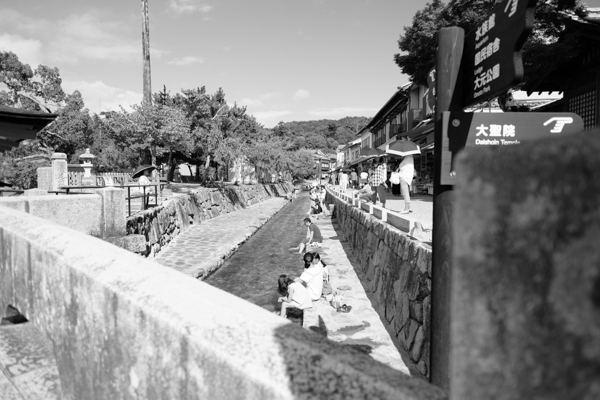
492,60
469,69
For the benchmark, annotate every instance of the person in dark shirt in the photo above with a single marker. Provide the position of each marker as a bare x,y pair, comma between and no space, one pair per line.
313,237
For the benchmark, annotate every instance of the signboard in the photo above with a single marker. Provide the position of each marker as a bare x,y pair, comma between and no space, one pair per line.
491,58
461,130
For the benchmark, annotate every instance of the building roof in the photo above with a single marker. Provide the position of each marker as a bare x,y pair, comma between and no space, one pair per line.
17,124
394,101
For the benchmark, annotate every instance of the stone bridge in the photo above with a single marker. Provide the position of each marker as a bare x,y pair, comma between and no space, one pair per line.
525,296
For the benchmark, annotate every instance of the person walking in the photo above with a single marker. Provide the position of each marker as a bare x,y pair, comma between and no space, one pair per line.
378,179
354,179
406,170
333,178
343,181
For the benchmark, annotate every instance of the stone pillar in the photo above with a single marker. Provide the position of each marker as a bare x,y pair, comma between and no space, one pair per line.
44,178
526,271
59,171
113,221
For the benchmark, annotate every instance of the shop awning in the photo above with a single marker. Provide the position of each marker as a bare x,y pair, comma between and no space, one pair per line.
17,125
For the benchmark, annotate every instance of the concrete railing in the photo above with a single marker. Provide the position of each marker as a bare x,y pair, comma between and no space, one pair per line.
100,213
124,327
395,269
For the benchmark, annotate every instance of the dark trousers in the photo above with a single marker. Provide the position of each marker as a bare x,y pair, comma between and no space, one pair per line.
381,191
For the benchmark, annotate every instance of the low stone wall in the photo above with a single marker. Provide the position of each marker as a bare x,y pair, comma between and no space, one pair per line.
99,213
153,229
124,327
397,271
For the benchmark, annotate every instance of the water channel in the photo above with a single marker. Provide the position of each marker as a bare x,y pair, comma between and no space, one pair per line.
252,272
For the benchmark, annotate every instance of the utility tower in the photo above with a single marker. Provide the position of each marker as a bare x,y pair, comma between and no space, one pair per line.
146,52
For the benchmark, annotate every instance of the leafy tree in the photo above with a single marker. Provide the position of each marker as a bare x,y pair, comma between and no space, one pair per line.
16,170
73,129
153,129
28,89
419,45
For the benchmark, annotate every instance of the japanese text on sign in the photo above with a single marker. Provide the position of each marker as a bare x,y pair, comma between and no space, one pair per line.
485,27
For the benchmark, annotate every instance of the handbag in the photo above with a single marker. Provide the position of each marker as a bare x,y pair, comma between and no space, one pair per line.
395,178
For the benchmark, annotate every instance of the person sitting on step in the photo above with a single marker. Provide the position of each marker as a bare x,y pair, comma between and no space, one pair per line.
295,294
313,237
313,277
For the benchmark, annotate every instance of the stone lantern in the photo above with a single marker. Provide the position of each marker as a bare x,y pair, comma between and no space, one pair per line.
86,162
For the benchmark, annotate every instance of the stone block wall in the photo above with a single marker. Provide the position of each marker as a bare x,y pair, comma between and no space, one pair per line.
153,229
396,270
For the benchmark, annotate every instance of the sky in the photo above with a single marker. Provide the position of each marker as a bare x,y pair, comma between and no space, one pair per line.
285,60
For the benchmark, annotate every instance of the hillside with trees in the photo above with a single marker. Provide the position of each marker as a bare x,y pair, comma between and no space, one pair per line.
324,134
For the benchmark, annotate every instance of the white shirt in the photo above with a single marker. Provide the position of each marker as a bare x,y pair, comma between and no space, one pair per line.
300,296
407,169
313,276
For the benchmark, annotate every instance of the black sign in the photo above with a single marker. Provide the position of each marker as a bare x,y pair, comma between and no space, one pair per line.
491,58
498,129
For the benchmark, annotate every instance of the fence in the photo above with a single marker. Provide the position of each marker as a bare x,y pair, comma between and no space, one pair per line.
118,178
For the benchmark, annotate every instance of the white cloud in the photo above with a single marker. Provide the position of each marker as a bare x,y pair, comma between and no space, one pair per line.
187,60
270,95
98,96
28,50
342,111
301,94
92,36
260,100
189,6
247,101
270,118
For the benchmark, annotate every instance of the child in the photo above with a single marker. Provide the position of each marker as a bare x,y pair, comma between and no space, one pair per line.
294,295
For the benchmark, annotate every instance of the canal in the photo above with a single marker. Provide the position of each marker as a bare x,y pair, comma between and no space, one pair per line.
252,272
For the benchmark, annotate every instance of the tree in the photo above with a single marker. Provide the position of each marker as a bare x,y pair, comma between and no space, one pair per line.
419,44
152,128
73,129
33,90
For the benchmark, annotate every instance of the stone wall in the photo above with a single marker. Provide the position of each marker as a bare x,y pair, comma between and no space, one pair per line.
153,229
396,270
125,327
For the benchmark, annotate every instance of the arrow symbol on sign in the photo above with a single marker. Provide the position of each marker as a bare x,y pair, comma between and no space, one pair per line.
560,122
513,7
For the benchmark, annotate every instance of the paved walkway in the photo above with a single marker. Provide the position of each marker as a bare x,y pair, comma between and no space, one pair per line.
202,248
421,206
362,327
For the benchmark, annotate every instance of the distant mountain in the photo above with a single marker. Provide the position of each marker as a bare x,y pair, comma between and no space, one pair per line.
323,134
